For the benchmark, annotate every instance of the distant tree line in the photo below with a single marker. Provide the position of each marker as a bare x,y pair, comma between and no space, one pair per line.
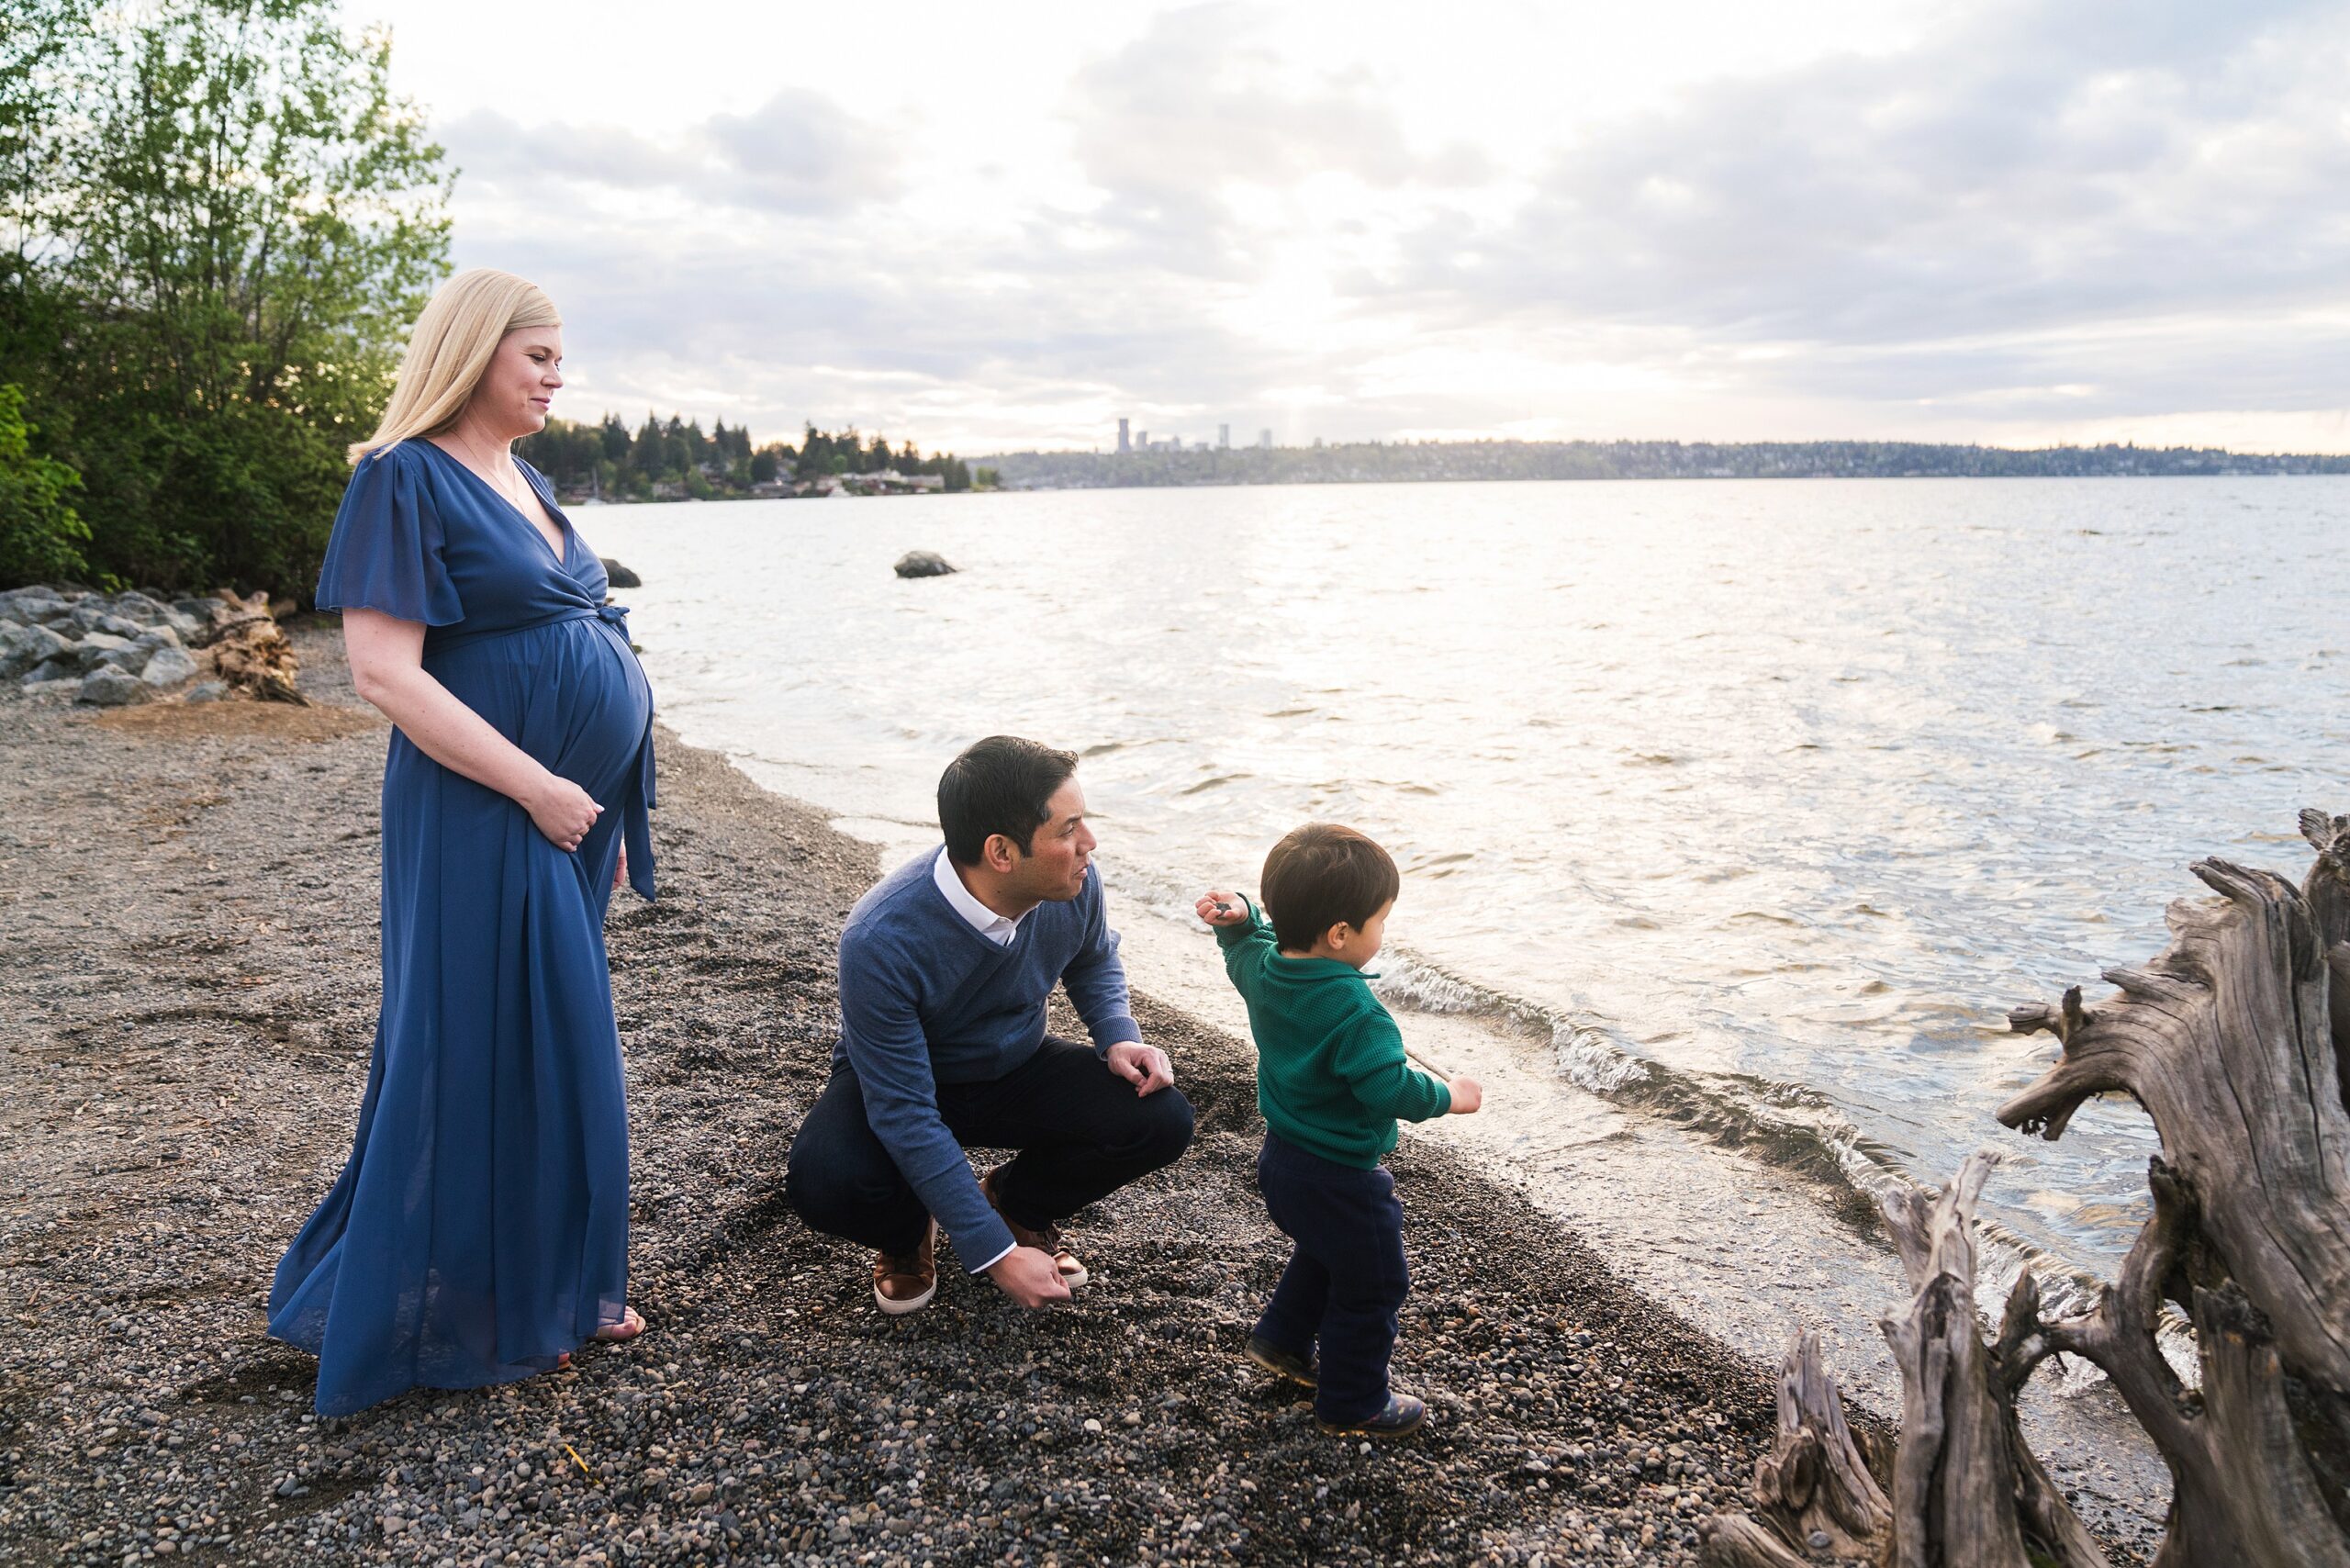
216,223
1362,462
675,460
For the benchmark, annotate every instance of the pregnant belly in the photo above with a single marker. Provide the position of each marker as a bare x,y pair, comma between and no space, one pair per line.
571,695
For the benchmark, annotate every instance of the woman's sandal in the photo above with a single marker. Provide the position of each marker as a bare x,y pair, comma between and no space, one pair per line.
629,1325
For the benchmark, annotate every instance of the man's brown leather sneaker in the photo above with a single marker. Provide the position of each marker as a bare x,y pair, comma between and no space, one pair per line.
1050,1240
904,1283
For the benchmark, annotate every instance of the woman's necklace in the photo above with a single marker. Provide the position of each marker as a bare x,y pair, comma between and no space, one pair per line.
502,476
499,476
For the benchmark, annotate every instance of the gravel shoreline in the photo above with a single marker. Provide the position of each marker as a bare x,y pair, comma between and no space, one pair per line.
188,903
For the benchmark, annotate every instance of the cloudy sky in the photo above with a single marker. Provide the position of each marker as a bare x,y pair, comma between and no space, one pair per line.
995,226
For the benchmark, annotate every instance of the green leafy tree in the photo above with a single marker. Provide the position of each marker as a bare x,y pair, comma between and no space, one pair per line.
233,225
40,536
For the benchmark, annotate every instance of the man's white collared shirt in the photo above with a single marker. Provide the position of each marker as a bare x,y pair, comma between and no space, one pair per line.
982,919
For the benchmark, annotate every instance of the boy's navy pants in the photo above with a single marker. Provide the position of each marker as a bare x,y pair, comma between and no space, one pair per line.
1345,1279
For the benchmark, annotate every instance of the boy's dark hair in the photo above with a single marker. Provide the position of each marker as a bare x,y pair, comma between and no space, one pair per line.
1320,875
1001,784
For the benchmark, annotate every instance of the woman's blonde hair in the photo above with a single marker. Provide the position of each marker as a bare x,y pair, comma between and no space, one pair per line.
449,348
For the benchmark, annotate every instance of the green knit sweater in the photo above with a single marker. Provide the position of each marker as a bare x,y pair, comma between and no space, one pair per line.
1331,1074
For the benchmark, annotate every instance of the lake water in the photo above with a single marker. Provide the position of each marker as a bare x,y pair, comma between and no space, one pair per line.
1747,806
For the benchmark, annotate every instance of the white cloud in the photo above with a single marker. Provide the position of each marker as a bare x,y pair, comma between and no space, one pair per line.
798,153
2019,220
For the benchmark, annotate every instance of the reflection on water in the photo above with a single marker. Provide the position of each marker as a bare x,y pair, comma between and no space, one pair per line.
1764,800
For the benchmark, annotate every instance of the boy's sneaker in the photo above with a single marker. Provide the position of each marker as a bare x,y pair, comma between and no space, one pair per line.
1048,1240
1277,1361
1402,1417
904,1283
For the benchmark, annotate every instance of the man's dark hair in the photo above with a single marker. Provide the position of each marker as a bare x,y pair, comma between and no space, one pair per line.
1001,784
1320,875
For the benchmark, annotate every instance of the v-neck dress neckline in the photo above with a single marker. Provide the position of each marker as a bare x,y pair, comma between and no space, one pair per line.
563,560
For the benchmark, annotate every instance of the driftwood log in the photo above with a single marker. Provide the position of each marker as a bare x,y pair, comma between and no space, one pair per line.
2233,1041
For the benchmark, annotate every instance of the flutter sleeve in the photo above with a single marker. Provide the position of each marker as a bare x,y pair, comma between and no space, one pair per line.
384,554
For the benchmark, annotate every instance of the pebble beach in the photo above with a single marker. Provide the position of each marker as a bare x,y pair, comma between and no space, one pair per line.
187,903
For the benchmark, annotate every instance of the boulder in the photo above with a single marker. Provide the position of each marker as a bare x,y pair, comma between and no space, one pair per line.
210,691
621,576
156,637
104,648
198,621
168,666
63,690
33,603
132,605
65,666
923,564
92,615
109,687
28,645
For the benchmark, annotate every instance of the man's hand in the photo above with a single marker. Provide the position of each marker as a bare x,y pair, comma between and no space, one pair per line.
1467,1094
1222,909
1145,1067
1029,1276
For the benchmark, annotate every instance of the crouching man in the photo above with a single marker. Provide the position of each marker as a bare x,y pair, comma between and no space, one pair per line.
945,966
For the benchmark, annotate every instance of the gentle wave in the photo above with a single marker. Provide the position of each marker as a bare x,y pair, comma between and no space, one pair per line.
1787,1125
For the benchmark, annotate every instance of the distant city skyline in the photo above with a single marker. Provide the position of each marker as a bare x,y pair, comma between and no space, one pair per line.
2016,222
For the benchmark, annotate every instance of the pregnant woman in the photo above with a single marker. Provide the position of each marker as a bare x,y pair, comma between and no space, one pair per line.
479,1232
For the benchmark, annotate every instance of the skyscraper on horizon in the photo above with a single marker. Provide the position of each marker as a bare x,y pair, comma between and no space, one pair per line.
1264,440
1224,438
1126,443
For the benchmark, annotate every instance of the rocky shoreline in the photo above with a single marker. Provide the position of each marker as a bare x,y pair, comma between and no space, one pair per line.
64,643
187,895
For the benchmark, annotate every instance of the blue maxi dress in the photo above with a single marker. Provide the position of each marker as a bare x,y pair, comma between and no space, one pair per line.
480,1229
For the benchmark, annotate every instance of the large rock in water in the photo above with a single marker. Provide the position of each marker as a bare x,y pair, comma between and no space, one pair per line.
619,575
923,564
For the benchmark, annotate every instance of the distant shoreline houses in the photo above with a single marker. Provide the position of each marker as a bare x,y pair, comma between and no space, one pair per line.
889,482
676,461
1143,463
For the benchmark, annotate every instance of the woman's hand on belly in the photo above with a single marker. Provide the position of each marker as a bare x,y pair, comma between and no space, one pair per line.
386,666
562,811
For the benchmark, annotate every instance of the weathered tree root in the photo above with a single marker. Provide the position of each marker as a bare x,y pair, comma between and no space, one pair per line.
1813,1491
1966,1491
2232,1041
252,654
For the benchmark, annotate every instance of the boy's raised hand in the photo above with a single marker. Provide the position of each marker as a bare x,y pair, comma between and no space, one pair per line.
1467,1094
1222,909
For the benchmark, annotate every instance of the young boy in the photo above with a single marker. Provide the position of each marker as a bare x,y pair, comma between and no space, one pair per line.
1331,1081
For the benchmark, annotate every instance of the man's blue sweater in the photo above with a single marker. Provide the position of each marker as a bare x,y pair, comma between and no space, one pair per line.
927,1000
